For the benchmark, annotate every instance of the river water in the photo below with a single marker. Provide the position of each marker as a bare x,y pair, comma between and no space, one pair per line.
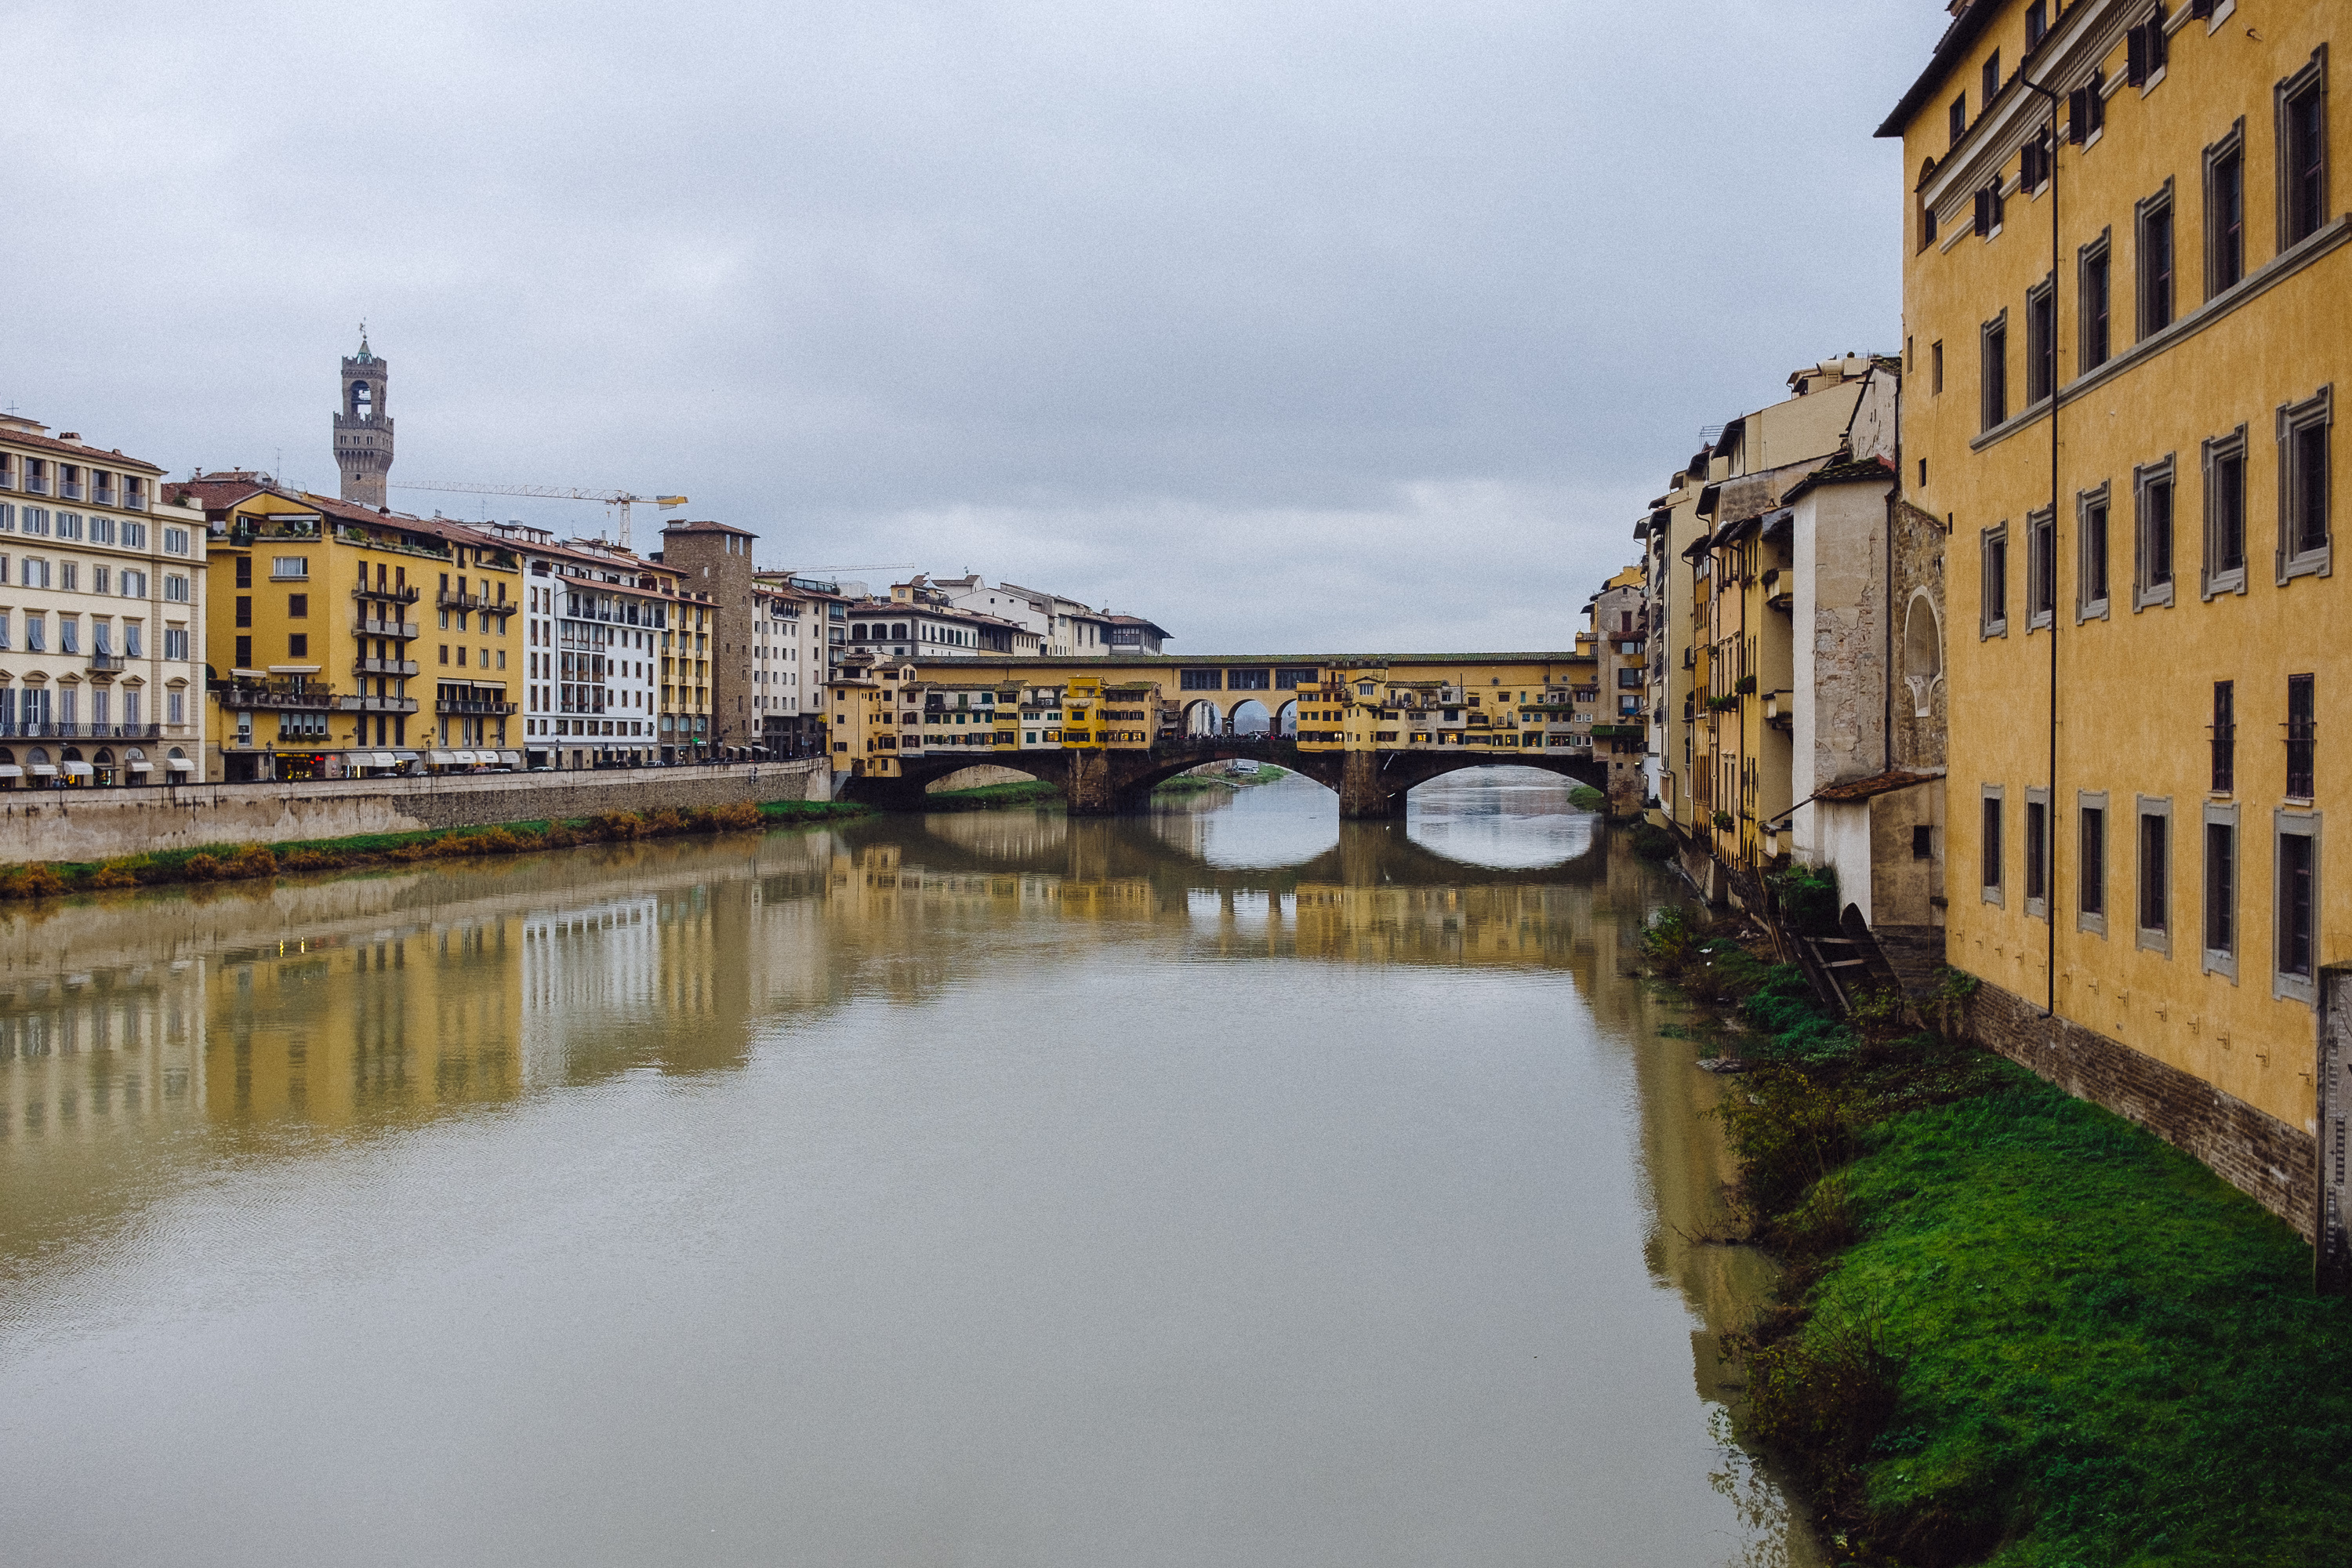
1228,1186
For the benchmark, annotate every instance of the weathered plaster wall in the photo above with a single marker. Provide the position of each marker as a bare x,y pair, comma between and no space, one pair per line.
96,824
1919,550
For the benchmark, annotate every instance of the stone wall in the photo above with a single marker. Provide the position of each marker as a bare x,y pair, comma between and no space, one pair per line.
2273,1163
100,823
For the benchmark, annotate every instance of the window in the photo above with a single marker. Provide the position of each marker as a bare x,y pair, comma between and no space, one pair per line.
1992,76
2037,22
1993,592
1994,381
68,634
244,610
2042,342
1202,680
2041,568
2303,152
2302,736
2144,50
2297,922
2225,514
297,606
1988,209
2086,111
175,589
2225,212
175,643
2224,731
2156,262
134,536
69,576
285,567
245,653
175,542
2094,299
2222,889
1990,843
176,707
2037,853
2152,490
1957,115
2091,905
1936,366
2155,874
298,644
2305,462
2036,162
244,571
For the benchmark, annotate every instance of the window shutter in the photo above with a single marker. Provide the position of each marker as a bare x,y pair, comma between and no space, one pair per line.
1984,213
2078,115
2201,9
2135,56
2157,41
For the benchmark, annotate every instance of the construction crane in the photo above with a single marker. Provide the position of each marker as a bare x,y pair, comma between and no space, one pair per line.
621,499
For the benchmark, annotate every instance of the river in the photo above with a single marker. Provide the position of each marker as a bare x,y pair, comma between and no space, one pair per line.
1226,1186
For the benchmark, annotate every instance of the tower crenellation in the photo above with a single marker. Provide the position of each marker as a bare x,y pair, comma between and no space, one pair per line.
364,426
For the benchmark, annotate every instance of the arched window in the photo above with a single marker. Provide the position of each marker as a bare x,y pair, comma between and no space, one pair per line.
1923,651
362,400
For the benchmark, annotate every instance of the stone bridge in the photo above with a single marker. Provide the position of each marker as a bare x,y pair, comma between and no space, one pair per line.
1368,727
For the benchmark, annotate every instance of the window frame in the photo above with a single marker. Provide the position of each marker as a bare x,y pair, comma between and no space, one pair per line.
2038,858
2221,777
2311,79
2291,559
2148,594
2094,328
2148,809
2219,247
2090,865
1991,851
2042,342
2041,570
1993,581
1993,371
2213,456
2222,960
2285,986
2156,293
2100,499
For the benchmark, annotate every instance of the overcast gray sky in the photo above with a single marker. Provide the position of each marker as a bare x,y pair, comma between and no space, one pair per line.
1293,326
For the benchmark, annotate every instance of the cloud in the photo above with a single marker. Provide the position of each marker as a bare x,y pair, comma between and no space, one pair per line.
1105,289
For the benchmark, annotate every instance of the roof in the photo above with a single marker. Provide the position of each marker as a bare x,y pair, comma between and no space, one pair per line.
1153,627
1880,784
17,436
1868,472
706,526
1965,28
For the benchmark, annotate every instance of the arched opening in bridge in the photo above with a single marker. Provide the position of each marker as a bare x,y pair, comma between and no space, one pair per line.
1201,718
1251,718
1286,720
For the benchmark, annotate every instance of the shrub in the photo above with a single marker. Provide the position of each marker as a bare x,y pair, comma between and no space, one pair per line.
1808,897
31,882
114,874
616,825
1584,797
249,861
669,821
1722,820
733,818
202,867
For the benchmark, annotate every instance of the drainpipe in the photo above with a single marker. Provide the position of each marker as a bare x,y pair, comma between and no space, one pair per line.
2050,815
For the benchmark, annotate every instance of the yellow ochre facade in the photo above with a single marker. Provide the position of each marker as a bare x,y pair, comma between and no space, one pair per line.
2149,691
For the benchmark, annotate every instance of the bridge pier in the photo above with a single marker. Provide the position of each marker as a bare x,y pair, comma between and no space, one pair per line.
1089,788
1365,793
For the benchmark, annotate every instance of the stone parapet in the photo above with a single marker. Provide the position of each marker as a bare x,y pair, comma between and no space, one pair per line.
2269,1161
101,823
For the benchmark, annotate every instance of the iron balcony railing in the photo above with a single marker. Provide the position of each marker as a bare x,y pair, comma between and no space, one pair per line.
295,692
406,630
107,664
372,704
384,666
21,731
397,595
467,705
449,599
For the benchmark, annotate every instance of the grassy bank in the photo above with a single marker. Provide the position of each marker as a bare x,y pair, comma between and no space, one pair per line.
1028,792
241,862
2015,1329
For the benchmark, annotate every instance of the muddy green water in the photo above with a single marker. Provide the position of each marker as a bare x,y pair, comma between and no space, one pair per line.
1223,1187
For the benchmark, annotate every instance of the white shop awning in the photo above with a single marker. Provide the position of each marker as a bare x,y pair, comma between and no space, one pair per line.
465,759
11,770
179,765
79,770
439,758
511,759
383,760
42,771
140,765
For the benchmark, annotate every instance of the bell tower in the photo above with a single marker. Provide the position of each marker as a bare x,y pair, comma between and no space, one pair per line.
363,428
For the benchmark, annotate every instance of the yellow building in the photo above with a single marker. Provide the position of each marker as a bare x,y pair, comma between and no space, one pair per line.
321,614
2127,303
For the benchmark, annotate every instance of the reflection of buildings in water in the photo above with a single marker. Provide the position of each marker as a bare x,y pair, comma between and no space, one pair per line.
597,964
79,1052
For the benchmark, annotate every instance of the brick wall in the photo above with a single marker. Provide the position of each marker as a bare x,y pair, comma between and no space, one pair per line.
2273,1163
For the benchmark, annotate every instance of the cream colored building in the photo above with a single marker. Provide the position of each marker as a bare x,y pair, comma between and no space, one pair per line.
102,619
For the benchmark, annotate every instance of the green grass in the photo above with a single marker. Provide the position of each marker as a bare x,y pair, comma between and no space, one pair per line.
1584,797
1026,792
2015,1329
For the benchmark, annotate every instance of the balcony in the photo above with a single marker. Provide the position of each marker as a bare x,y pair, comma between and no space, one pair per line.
384,666
368,704
70,490
81,731
404,630
107,664
1780,709
463,705
447,599
292,693
396,595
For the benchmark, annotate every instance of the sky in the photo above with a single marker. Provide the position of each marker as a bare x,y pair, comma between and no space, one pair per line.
1293,326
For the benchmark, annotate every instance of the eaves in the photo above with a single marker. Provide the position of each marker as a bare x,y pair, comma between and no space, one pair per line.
2063,61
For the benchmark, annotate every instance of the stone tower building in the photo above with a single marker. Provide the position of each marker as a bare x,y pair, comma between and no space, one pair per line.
715,558
363,428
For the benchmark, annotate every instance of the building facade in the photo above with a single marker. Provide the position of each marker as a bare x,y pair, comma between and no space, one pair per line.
363,428
102,619
2127,305
709,672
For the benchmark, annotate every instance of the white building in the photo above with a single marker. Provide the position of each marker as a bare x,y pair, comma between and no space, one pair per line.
794,623
101,617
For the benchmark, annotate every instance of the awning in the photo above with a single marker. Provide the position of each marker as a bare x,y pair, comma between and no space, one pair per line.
80,770
42,771
439,758
11,770
140,765
404,756
180,765
511,759
463,759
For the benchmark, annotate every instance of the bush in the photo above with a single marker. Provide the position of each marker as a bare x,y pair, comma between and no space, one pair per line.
1809,899
251,860
1584,797
31,882
734,817
114,874
201,867
616,825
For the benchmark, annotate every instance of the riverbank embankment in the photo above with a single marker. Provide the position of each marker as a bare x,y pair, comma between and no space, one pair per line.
92,825
2015,1328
